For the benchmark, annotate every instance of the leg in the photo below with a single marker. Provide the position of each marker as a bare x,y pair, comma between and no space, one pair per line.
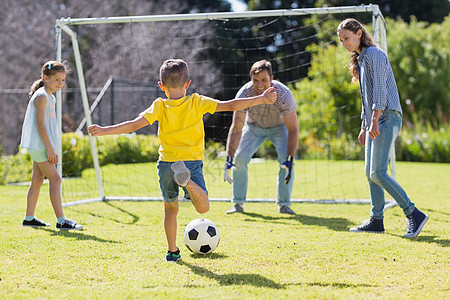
390,124
376,191
196,186
49,170
278,136
170,224
198,197
251,139
37,178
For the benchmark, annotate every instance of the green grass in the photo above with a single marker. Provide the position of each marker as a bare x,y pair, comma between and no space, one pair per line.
262,254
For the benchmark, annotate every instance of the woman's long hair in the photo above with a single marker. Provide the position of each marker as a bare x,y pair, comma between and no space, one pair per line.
366,41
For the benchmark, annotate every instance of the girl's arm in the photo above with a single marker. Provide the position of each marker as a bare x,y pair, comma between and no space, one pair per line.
268,97
124,127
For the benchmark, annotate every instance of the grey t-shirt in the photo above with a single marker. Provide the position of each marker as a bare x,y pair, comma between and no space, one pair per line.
268,115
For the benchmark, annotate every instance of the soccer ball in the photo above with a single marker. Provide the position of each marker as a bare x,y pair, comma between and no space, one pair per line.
201,236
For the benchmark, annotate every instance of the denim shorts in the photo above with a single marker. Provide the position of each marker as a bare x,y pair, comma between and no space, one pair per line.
38,156
169,188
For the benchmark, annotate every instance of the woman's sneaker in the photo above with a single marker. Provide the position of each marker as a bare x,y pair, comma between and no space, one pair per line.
173,256
35,223
415,223
370,225
67,224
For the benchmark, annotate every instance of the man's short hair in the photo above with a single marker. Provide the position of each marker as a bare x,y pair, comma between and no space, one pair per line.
259,66
174,73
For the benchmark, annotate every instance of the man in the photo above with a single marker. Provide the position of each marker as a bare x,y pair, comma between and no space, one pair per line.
252,126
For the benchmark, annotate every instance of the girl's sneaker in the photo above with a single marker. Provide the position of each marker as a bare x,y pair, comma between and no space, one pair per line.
35,223
68,225
173,256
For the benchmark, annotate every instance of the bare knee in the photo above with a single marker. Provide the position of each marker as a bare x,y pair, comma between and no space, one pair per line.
37,180
204,208
55,180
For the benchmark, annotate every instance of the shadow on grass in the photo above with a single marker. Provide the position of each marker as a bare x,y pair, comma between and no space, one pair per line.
338,224
432,239
134,217
209,256
338,285
235,279
79,235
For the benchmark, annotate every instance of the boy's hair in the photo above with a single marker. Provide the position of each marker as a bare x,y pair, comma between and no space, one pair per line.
174,73
50,68
353,25
259,66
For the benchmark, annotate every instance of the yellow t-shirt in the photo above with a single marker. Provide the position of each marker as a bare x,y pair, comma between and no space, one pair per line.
181,131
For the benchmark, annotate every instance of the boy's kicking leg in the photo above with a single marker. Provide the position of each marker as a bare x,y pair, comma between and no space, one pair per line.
198,196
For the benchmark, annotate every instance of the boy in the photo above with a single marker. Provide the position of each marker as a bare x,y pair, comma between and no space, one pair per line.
181,135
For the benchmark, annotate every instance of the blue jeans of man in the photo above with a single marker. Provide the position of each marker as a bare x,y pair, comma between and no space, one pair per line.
376,166
252,138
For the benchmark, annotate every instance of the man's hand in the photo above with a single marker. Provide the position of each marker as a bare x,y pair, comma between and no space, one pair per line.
269,96
95,130
289,162
227,169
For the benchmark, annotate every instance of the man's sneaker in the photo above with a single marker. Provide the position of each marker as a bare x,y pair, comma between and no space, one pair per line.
370,225
284,209
181,175
173,256
237,208
35,223
67,224
415,223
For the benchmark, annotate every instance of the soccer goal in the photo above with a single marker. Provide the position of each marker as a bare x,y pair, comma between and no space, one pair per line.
117,60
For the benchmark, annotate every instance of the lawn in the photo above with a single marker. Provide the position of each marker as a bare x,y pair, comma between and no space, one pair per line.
262,254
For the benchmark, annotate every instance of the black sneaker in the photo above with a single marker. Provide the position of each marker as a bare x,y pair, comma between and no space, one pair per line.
415,223
67,224
35,223
173,256
370,225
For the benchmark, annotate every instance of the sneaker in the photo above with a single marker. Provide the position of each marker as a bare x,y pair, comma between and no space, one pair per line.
370,225
173,256
181,175
284,209
67,224
35,223
415,223
237,208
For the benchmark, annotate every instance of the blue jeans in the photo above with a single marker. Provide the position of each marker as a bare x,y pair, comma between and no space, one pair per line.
169,188
252,138
376,165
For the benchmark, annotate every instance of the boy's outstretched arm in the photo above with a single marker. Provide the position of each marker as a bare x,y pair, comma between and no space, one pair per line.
268,97
124,127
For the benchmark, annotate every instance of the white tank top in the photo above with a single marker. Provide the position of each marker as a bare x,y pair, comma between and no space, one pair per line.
30,135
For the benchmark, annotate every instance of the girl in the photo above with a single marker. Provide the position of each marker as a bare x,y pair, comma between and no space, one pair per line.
381,124
41,138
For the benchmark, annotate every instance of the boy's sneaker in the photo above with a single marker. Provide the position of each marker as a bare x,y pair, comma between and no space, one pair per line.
370,225
67,224
173,256
35,223
181,175
415,223
237,208
284,209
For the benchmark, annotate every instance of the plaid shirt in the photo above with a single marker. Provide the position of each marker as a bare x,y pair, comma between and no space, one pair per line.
377,84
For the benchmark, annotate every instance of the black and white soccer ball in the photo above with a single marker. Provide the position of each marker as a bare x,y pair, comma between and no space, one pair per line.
201,236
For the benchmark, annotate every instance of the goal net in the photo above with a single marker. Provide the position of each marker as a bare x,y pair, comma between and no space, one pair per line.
116,69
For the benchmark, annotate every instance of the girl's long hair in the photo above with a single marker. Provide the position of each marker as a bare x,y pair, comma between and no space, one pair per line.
366,41
50,68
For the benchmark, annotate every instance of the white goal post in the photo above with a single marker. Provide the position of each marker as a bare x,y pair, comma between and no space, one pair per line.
66,24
